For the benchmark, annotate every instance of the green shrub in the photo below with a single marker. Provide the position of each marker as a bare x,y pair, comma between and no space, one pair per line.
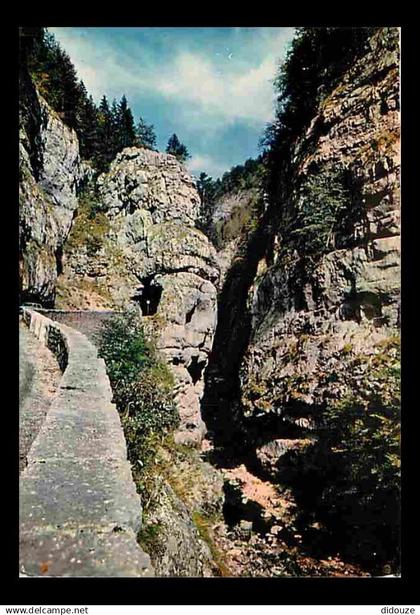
149,410
325,203
142,384
125,348
316,59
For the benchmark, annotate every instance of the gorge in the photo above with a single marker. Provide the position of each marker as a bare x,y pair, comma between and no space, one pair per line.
274,302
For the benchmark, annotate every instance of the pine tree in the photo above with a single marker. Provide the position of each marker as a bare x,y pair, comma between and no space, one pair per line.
205,187
104,113
105,134
103,131
45,66
145,135
88,127
30,42
70,89
126,129
177,149
114,128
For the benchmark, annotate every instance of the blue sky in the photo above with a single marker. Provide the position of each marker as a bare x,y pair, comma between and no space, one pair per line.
213,87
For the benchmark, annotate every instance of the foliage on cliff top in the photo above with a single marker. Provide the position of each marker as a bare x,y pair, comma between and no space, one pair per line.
246,181
177,149
316,59
103,130
323,216
240,177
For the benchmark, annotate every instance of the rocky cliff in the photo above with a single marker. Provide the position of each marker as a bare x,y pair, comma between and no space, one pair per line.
309,313
134,240
51,173
311,316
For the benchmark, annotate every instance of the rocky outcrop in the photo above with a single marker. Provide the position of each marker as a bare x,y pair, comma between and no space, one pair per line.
149,252
50,175
310,317
141,179
300,325
187,499
176,547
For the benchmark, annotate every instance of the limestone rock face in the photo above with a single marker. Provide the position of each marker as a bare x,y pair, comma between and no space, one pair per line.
177,548
140,179
306,322
151,254
50,175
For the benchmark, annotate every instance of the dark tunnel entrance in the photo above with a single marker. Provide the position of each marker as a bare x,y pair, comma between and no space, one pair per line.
195,369
148,296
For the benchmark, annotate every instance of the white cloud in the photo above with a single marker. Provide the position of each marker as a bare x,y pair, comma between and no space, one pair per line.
198,162
100,66
246,96
220,91
206,89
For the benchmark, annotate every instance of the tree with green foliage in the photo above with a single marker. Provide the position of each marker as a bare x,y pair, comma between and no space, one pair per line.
104,110
30,42
54,74
205,186
317,57
126,132
315,62
102,131
114,128
325,201
177,149
105,131
88,126
206,189
71,90
145,134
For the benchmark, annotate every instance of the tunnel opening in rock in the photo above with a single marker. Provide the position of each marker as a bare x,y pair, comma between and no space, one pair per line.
195,369
149,297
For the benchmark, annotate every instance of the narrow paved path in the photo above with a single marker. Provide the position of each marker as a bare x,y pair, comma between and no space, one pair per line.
39,375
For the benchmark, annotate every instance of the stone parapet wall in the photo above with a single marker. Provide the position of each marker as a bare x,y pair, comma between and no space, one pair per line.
79,510
88,322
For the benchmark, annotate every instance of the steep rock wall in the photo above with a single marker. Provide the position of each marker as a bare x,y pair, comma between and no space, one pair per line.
311,316
50,173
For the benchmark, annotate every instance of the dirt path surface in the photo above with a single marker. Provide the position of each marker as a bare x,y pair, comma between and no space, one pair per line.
258,534
250,549
39,375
